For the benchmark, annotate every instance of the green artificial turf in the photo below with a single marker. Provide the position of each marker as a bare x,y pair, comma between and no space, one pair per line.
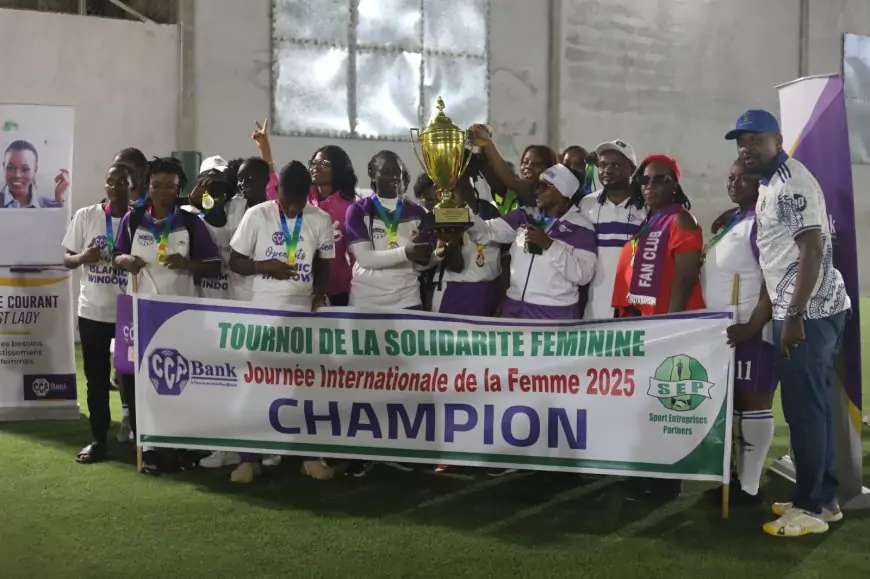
61,519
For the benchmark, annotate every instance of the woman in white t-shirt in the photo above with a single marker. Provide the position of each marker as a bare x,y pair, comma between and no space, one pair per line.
211,201
733,251
383,232
285,245
89,244
165,248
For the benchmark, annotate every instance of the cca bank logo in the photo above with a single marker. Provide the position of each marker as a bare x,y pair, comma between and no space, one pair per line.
170,372
680,383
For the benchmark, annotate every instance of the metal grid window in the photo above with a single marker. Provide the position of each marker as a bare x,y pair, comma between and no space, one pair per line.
371,69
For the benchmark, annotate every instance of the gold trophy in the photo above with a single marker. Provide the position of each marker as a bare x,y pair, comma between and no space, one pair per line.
443,147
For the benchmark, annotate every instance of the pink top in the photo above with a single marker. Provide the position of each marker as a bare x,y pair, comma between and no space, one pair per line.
341,268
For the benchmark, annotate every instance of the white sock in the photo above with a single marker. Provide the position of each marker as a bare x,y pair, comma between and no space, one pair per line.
125,411
737,437
757,427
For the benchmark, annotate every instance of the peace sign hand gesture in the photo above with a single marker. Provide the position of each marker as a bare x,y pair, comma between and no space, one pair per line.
260,136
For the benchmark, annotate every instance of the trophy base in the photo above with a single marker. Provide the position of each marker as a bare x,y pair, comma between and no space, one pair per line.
453,219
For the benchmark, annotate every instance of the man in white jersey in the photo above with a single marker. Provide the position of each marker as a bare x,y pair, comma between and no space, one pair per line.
616,217
810,306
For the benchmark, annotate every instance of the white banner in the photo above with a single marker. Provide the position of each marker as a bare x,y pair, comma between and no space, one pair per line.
37,359
640,396
37,143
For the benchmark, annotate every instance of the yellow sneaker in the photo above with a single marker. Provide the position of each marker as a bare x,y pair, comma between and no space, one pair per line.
795,523
317,469
245,473
834,515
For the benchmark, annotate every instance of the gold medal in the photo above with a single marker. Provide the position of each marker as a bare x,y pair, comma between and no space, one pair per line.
207,201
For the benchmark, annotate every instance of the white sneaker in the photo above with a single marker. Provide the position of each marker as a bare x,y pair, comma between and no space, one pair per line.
796,523
125,433
831,514
272,460
220,458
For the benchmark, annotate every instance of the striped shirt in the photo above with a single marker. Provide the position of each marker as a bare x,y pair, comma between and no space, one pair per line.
614,226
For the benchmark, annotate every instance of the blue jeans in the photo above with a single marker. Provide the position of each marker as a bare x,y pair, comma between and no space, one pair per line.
805,386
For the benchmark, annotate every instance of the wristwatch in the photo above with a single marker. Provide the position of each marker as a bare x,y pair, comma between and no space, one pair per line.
795,312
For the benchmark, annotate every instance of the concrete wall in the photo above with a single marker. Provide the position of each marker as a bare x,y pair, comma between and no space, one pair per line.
233,59
121,77
672,76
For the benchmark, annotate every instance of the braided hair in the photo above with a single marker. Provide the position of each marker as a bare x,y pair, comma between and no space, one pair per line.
636,197
344,180
169,165
406,177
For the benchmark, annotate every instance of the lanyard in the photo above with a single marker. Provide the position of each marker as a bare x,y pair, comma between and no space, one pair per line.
161,236
738,217
544,222
507,202
392,225
110,233
290,242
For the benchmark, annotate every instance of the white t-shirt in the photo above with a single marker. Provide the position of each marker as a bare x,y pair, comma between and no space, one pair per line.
383,277
260,237
614,226
101,282
155,278
230,286
790,203
735,253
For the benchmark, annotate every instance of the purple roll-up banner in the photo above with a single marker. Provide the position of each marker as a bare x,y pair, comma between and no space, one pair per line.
816,133
124,353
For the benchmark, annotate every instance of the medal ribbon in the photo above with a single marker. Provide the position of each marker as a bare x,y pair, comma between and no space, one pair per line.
110,234
738,217
544,222
392,225
161,236
290,242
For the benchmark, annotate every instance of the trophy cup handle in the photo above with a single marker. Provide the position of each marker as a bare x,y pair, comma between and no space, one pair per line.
416,132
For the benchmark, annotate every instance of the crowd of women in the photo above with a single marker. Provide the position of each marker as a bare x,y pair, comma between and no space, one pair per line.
543,245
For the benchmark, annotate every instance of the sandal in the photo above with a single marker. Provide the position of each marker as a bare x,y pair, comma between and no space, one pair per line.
94,452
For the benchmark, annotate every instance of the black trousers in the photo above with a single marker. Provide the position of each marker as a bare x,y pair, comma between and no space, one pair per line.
339,300
128,388
96,337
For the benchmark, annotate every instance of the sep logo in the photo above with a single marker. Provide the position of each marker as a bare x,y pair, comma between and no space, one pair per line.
170,372
680,384
100,241
378,233
278,238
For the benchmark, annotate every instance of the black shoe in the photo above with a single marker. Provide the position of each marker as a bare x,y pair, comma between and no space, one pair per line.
151,463
94,452
358,468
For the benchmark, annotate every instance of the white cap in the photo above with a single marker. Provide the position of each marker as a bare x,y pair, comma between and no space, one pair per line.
563,179
620,147
217,162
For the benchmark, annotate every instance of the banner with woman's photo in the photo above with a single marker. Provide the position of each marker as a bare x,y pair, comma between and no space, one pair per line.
37,357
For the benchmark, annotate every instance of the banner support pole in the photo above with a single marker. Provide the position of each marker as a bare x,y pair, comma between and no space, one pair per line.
726,488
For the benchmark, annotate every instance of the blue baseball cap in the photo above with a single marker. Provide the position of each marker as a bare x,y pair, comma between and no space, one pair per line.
754,121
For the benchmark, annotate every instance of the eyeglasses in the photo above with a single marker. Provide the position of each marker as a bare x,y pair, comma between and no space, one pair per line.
645,180
321,163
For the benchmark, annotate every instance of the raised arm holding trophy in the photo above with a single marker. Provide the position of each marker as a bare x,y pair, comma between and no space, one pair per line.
442,155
